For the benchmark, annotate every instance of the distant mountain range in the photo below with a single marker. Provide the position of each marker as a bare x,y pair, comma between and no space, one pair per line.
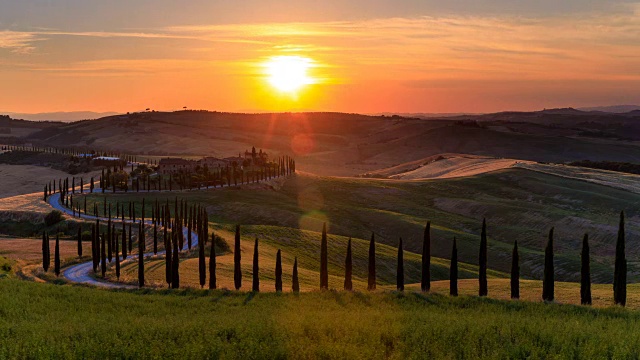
617,109
59,116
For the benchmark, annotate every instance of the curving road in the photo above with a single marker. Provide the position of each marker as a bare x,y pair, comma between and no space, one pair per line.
80,273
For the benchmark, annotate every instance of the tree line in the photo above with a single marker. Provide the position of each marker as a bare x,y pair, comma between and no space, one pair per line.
117,180
176,227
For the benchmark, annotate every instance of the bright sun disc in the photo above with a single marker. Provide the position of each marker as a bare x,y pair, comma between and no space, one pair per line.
288,73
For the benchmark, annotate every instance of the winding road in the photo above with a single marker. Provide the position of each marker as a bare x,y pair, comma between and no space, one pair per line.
81,273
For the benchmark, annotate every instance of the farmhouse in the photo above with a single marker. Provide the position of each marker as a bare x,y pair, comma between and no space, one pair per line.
174,165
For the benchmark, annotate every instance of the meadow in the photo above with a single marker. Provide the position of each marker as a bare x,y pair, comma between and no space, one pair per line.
50,321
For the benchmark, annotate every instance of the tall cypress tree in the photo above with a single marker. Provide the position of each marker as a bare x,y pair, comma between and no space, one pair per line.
278,271
348,269
168,259
202,267
45,252
103,256
175,283
56,264
372,264
453,270
295,284
400,268
324,268
548,280
80,241
620,272
155,238
237,256
212,263
117,258
124,240
515,272
425,283
256,269
482,276
109,252
140,255
585,273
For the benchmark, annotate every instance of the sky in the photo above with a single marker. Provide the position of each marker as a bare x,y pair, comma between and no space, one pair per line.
367,56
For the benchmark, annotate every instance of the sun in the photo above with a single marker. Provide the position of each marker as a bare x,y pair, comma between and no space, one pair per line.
289,73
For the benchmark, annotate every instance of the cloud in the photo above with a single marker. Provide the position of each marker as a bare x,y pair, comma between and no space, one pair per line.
18,42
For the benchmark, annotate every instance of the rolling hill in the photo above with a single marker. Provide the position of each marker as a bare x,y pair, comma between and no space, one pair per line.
349,144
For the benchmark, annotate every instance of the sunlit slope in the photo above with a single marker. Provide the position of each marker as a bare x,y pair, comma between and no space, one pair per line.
518,204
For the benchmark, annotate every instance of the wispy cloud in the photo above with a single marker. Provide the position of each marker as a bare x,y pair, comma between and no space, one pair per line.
18,42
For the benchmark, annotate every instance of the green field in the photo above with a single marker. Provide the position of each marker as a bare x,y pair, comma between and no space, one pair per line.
49,321
518,204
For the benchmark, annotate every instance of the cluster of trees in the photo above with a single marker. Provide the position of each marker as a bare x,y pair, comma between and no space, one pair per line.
46,254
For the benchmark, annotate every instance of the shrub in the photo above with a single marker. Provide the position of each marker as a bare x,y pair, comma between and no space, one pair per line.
53,218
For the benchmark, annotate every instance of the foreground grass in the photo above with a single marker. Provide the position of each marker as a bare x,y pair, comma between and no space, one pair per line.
48,321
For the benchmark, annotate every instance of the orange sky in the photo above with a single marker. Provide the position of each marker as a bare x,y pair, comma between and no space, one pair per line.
454,62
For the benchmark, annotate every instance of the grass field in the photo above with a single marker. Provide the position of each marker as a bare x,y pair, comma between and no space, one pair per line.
49,321
518,204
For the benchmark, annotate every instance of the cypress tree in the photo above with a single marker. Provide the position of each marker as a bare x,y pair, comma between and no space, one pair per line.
515,272
324,271
482,276
45,252
453,270
117,258
348,269
168,259
176,263
141,256
256,269
295,286
109,234
278,272
237,270
400,268
202,268
620,272
372,264
103,256
124,241
56,264
585,273
80,241
130,239
155,238
212,263
548,280
425,284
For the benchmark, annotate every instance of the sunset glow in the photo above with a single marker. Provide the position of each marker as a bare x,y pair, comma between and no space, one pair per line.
421,57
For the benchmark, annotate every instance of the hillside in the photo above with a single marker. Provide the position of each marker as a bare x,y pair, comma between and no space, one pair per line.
444,166
350,144
518,204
